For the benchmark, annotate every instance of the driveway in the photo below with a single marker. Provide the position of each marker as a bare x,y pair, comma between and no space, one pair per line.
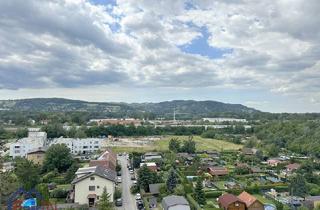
129,202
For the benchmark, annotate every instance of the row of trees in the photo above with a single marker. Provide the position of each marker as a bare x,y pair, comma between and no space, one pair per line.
188,146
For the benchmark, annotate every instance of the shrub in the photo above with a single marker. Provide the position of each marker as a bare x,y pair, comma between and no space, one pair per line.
213,194
117,194
134,189
59,193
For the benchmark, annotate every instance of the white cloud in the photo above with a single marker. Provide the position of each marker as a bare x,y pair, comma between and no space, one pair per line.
75,43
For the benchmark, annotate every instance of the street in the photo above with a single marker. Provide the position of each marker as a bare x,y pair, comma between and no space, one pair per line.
128,200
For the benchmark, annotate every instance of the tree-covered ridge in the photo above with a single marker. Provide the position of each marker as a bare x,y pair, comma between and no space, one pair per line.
189,108
297,136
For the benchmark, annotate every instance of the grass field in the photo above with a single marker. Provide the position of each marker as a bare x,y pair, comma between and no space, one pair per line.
201,144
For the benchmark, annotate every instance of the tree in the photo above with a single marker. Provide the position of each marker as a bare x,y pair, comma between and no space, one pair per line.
44,192
58,156
146,177
199,193
172,180
189,146
71,172
174,145
104,202
298,186
27,172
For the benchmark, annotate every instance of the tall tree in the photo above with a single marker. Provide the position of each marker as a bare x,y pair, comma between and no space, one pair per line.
298,186
104,202
172,180
58,156
189,146
174,145
199,193
27,173
146,177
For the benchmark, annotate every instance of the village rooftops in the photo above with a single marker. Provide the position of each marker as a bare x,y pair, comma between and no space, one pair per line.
37,150
218,171
293,166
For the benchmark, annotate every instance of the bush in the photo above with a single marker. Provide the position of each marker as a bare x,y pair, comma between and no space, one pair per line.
117,194
210,204
59,193
188,188
134,189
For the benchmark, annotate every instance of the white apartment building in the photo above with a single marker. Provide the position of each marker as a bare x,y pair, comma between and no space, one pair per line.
35,139
80,146
220,120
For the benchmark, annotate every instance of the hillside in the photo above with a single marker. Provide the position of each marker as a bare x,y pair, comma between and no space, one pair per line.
183,108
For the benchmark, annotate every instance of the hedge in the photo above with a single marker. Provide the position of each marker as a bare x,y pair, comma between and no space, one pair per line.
213,194
193,204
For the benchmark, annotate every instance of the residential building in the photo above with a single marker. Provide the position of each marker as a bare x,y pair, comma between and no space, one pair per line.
108,159
35,139
174,202
249,151
273,162
149,156
37,155
292,167
7,166
252,203
80,146
154,189
231,202
151,165
220,120
312,202
122,121
89,184
218,171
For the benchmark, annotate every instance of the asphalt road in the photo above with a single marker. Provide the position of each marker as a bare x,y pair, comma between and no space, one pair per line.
128,200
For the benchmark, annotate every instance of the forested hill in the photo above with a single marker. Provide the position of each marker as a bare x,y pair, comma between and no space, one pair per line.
183,108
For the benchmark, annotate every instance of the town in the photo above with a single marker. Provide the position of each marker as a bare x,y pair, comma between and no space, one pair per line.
156,172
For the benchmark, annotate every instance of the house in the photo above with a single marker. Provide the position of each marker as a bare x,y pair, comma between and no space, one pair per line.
273,162
232,185
113,121
108,160
218,171
35,139
90,182
231,202
255,170
312,202
7,166
151,166
252,203
174,202
37,155
151,156
249,151
292,167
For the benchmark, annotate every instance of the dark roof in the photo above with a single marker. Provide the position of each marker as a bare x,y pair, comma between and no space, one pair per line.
154,188
173,200
37,150
99,171
227,199
313,198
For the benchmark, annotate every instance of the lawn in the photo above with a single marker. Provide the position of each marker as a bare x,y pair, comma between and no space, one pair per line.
263,199
201,143
163,144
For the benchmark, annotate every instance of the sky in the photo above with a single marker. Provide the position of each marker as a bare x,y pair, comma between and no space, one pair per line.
263,54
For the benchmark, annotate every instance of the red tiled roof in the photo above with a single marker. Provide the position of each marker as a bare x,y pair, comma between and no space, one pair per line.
247,198
293,166
218,171
227,199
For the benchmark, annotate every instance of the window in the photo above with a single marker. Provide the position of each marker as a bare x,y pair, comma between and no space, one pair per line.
96,146
85,147
16,146
98,187
92,188
92,178
98,197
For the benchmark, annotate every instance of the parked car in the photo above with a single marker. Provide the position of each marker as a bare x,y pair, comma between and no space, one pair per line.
119,202
135,182
140,205
131,171
133,177
119,180
118,173
138,196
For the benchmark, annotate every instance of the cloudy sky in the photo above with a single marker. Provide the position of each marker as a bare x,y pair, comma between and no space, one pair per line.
263,54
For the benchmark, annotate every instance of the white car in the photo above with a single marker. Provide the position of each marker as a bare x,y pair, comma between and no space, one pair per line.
131,171
119,180
138,196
